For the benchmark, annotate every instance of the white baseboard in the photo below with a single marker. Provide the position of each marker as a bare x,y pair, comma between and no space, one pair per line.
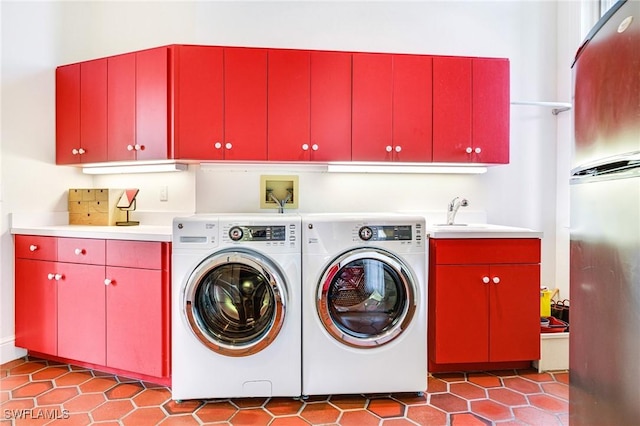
8,350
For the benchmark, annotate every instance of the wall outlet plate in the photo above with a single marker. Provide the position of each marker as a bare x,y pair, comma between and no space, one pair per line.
279,187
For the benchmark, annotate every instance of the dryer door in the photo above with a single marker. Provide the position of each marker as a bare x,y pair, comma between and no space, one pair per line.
366,297
235,302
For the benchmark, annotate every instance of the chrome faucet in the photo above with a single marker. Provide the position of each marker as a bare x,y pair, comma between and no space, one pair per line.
454,205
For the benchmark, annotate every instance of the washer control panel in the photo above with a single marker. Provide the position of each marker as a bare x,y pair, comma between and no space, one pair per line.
386,233
258,233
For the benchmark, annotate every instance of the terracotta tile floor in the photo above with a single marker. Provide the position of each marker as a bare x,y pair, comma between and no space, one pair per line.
38,392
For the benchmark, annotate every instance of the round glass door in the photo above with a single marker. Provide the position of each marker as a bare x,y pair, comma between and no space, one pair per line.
234,302
366,297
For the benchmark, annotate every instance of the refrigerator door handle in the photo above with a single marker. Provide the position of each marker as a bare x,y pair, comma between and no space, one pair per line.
617,167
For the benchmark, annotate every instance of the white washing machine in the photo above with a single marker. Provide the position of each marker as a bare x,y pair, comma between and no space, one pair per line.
236,317
364,321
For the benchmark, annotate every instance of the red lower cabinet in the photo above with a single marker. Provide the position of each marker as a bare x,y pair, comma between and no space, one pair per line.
135,313
108,308
483,302
36,305
81,312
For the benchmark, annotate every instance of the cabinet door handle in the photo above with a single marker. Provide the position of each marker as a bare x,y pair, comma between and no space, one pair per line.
217,145
469,150
305,146
33,247
486,280
315,147
57,277
398,148
107,281
228,145
51,276
478,150
496,280
139,147
130,147
389,148
81,151
79,251
74,151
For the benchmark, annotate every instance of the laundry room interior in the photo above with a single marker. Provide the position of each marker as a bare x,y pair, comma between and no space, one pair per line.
525,198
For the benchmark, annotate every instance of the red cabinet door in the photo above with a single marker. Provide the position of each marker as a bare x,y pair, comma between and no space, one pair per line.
330,106
152,100
93,111
491,110
81,312
199,102
245,104
514,305
288,105
412,108
67,114
452,109
121,116
372,107
136,318
462,314
36,306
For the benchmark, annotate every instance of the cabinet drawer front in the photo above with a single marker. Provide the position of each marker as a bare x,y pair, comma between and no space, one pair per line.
36,247
485,250
135,254
81,250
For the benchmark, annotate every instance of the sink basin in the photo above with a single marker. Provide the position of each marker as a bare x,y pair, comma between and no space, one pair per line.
479,230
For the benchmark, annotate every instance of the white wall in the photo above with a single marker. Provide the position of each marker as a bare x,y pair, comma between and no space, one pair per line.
38,36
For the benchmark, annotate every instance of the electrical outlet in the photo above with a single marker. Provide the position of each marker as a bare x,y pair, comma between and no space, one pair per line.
164,193
276,189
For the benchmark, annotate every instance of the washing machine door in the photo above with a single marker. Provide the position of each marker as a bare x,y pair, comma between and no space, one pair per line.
366,297
235,302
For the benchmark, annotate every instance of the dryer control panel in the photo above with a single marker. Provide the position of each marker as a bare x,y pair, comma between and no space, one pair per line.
385,233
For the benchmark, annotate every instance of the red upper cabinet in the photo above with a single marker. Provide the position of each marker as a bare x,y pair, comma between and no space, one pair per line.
67,113
491,110
470,110
392,108
372,107
199,102
330,106
81,112
93,111
220,103
451,109
121,107
288,105
245,104
412,108
152,104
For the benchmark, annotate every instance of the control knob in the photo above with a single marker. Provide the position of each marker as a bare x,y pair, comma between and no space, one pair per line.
236,233
365,233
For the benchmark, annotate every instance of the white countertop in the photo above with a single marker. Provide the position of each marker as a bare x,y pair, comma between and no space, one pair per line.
154,226
133,233
480,230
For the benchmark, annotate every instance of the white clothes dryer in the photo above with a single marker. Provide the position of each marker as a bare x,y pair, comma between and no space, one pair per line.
236,317
364,304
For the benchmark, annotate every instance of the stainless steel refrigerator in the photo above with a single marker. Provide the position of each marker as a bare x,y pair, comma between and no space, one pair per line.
604,339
